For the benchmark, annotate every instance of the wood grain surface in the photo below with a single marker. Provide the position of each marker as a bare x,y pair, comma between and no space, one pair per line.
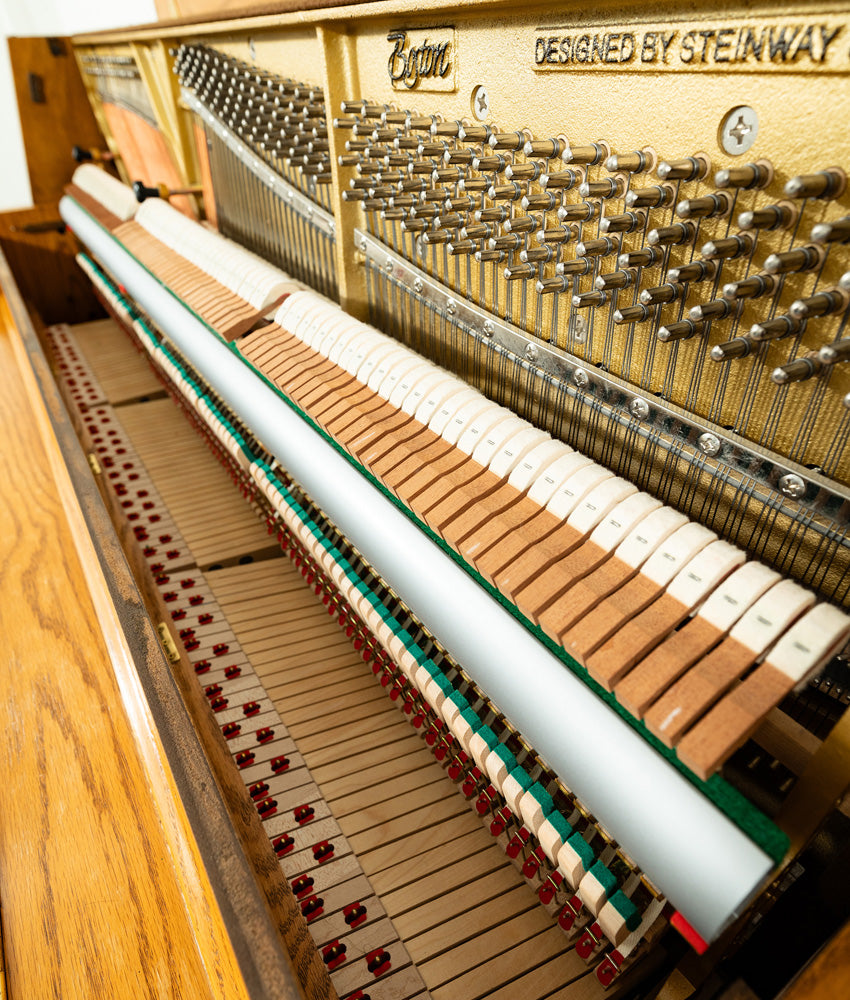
103,892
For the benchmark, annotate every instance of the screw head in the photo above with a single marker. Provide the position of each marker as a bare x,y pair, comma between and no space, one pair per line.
639,408
792,486
738,130
364,245
480,102
581,378
388,265
709,444
530,352
580,329
451,307
488,328
417,285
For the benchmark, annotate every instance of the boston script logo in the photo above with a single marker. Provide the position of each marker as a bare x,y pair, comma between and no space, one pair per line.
410,63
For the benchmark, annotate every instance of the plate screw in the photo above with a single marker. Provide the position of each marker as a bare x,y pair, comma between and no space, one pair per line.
738,130
639,408
388,265
530,352
451,307
709,444
364,246
580,378
480,103
488,328
792,486
417,285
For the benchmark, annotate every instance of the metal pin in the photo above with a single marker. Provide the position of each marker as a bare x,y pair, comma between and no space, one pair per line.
520,271
523,171
799,259
451,220
593,153
587,299
738,347
487,255
750,288
447,175
458,156
775,329
632,314
394,117
632,163
627,222
598,248
820,304
747,176
463,203
493,214
715,309
608,187
691,168
504,192
582,212
615,279
548,148
661,293
436,236
832,232
494,162
683,330
838,350
697,270
420,123
474,184
507,140
477,231
710,206
779,216
508,241
728,248
425,211
582,265
462,247
542,202
675,235
557,234
448,129
797,370
523,224
549,286
826,184
475,133
564,179
539,255
645,257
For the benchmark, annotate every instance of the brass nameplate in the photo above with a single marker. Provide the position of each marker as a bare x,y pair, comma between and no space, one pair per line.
789,44
422,59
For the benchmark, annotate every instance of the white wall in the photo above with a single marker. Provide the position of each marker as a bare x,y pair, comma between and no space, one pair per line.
47,17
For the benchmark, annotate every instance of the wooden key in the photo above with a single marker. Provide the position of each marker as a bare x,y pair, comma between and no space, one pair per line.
710,677
519,568
604,539
581,600
698,577
586,516
804,648
668,661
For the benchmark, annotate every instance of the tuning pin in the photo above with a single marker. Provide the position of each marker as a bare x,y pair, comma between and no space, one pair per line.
436,236
550,286
547,148
505,192
691,168
820,304
832,232
775,329
797,370
586,300
143,191
523,171
475,133
710,206
652,197
838,350
508,140
564,180
450,130
544,202
615,279
683,330
631,163
598,248
728,248
593,153
779,216
608,187
523,224
517,272
627,222
697,270
497,256
540,255
455,156
583,212
750,175
826,184
581,265
632,314
715,309
556,234
749,288
507,241
645,257
799,259
495,162
675,235
661,293
738,347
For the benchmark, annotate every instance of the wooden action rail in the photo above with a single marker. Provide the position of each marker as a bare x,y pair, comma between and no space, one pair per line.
465,916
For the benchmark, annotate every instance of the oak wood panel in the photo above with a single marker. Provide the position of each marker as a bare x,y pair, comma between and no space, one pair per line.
103,893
